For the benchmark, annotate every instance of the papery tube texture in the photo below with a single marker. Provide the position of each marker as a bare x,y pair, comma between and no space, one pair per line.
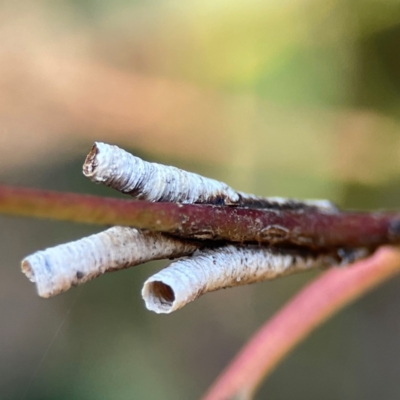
212,269
56,269
116,168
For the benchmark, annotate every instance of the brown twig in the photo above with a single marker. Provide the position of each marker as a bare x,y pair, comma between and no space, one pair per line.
307,310
312,229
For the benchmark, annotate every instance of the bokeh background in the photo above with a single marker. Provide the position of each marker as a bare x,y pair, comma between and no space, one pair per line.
293,98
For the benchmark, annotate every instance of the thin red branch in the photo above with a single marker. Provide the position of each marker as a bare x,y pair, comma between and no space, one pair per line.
307,310
314,229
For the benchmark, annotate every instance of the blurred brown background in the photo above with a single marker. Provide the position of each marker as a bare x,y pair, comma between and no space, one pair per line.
293,98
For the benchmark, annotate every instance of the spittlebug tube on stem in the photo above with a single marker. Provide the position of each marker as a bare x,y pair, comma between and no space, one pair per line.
237,238
116,168
56,269
208,270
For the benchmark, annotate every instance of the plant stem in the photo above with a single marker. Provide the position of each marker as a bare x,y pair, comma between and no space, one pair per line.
311,229
316,303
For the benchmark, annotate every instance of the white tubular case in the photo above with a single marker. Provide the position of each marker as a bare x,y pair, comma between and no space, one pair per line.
122,171
208,270
126,173
56,269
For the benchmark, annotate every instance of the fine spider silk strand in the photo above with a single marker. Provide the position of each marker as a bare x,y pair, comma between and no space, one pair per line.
50,345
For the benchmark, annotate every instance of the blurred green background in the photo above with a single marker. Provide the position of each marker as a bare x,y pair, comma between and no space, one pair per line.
293,98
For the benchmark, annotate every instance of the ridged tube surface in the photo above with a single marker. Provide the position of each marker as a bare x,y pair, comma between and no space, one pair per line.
208,270
56,269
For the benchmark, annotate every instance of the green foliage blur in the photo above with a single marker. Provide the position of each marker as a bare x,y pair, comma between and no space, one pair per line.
295,98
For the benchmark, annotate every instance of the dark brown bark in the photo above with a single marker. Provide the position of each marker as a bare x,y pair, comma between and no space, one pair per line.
305,228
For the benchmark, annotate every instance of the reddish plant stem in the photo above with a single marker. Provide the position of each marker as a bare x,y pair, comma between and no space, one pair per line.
313,229
307,310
